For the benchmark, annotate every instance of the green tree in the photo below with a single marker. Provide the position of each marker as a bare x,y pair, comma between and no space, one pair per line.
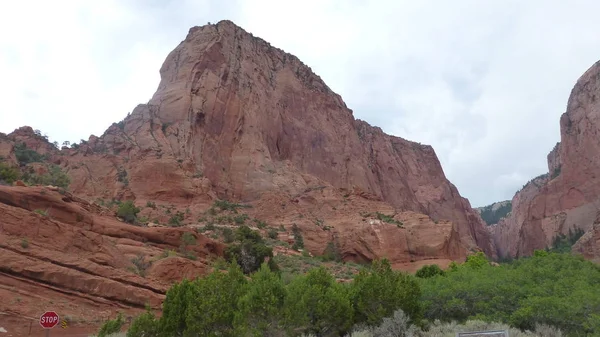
429,271
127,211
145,325
111,326
213,303
260,308
249,251
378,292
175,308
8,174
316,304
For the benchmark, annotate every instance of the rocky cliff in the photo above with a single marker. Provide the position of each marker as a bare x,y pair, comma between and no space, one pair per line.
234,117
491,214
237,119
568,196
58,251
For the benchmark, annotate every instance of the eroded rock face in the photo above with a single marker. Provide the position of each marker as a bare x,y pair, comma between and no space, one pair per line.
234,117
56,247
568,196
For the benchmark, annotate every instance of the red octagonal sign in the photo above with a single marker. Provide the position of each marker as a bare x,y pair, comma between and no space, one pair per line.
49,319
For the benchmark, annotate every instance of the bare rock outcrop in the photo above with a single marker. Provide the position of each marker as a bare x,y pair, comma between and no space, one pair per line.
234,118
57,246
567,197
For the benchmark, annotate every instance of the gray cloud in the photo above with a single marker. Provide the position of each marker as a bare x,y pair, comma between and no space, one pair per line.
483,82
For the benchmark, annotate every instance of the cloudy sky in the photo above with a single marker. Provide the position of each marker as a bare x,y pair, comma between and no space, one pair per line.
483,81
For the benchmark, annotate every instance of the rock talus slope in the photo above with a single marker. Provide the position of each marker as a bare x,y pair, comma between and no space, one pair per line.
568,196
234,117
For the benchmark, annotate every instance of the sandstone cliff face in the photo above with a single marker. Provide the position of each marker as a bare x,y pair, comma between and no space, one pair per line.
234,117
568,196
59,251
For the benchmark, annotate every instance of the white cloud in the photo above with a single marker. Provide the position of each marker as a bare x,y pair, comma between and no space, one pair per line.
484,82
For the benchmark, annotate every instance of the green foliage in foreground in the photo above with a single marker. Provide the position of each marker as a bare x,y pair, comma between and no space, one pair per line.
228,304
550,293
560,290
111,326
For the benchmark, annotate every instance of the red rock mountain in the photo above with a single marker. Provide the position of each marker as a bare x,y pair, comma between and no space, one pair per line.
233,119
567,197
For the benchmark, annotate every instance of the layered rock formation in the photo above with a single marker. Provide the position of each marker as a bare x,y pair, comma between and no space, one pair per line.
237,119
59,251
234,117
568,196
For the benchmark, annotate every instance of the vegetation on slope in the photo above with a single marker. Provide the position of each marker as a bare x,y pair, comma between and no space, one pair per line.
546,293
491,214
50,174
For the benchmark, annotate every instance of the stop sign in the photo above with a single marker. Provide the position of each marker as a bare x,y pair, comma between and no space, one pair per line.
49,319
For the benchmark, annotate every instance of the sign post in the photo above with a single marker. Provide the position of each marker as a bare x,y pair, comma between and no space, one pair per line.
49,320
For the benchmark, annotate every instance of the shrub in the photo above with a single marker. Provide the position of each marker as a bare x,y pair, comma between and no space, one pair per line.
298,239
151,204
25,155
316,304
331,253
24,243
41,212
145,325
548,288
176,219
395,326
273,234
8,174
378,292
240,219
429,271
111,326
55,176
261,306
260,224
140,264
215,302
249,251
127,211
228,236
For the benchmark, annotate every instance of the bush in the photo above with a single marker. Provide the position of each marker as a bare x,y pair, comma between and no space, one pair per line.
176,219
127,211
378,292
55,177
429,271
25,155
316,303
111,326
331,253
273,234
8,174
298,239
228,236
549,288
261,307
140,264
249,251
395,326
145,325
